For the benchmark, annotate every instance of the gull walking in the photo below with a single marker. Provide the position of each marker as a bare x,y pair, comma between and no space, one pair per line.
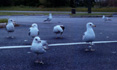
39,47
33,30
49,18
89,35
106,18
10,27
58,29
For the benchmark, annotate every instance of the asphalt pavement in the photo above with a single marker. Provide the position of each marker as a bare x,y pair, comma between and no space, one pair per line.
60,57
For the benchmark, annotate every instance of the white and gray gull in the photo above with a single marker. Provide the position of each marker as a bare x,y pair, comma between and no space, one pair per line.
10,27
58,29
33,30
89,35
106,18
39,47
49,18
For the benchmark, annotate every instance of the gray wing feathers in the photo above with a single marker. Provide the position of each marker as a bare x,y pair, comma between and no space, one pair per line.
45,44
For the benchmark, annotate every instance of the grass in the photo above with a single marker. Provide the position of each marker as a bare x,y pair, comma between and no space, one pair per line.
21,13
92,14
3,20
15,13
79,9
105,9
77,14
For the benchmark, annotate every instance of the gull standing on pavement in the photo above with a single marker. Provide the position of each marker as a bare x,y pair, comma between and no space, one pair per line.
89,35
10,27
39,47
33,30
58,29
49,18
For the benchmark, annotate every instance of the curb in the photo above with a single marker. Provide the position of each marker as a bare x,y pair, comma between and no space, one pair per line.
3,25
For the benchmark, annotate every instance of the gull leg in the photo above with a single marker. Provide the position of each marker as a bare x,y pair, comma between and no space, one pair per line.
87,49
41,62
61,36
38,61
56,36
8,35
91,49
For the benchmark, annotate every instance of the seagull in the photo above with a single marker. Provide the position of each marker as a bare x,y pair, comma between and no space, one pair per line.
39,47
58,29
89,35
33,30
49,18
10,26
106,18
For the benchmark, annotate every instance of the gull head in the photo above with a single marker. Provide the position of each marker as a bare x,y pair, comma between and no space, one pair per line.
50,14
103,17
37,40
11,20
34,25
90,24
62,27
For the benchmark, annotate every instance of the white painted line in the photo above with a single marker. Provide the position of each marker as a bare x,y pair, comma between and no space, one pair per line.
95,42
13,47
59,44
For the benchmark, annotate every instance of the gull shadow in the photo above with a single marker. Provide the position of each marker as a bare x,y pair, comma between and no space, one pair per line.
58,38
45,65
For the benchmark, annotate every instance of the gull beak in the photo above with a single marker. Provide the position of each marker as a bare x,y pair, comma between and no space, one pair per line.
39,41
14,22
94,25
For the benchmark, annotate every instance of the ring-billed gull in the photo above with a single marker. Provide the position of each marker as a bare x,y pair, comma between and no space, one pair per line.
33,30
49,18
58,29
106,18
39,47
10,26
89,35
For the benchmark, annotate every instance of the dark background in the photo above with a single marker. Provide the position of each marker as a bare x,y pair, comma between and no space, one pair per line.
58,3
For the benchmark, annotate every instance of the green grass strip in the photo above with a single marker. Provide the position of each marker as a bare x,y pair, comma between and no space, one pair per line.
3,20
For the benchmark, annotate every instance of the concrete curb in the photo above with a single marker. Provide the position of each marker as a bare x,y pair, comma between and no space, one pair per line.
3,25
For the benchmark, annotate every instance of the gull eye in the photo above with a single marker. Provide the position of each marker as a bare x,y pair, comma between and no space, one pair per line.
36,39
90,24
